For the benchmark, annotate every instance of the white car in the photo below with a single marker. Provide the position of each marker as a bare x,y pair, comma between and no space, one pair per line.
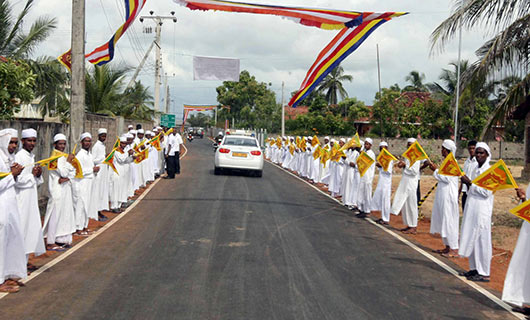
239,152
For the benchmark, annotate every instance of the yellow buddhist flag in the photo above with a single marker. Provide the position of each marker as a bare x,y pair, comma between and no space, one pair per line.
364,161
522,211
497,177
279,142
384,158
315,141
450,167
291,149
414,153
352,143
303,144
325,156
78,170
317,152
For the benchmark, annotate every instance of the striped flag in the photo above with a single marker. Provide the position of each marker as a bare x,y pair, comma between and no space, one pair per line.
384,158
497,177
109,160
104,54
414,153
450,167
522,211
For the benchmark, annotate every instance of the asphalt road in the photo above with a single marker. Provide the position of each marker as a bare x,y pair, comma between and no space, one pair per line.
236,247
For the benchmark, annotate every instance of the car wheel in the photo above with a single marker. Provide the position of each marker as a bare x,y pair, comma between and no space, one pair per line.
259,173
217,171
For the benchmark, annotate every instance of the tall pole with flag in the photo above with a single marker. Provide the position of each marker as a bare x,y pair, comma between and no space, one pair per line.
458,82
77,100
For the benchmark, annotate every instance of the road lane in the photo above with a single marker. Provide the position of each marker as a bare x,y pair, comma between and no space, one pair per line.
237,247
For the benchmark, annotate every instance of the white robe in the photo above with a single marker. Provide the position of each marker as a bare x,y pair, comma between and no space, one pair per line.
405,197
383,193
475,239
145,167
517,282
445,214
83,191
335,179
349,186
28,204
100,186
119,183
59,222
12,250
364,196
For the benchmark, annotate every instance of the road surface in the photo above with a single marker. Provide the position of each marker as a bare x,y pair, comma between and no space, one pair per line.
237,247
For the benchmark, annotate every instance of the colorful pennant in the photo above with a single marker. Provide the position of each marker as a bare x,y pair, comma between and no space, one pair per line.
384,158
415,153
497,177
450,167
364,161
522,211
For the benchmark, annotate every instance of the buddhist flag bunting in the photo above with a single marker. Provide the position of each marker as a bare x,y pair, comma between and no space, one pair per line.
497,177
52,165
364,161
4,175
141,156
105,53
315,141
450,167
522,211
321,18
414,153
384,158
109,160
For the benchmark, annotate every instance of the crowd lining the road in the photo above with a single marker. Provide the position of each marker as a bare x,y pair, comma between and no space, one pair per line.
82,185
472,239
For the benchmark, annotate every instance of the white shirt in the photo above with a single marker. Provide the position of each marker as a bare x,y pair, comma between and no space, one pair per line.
174,142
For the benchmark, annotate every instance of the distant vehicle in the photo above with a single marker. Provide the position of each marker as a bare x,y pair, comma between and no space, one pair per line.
239,152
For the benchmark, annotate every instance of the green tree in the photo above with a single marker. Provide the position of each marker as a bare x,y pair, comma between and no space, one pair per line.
506,53
199,120
384,112
416,81
136,103
332,85
103,89
16,86
448,78
50,85
14,42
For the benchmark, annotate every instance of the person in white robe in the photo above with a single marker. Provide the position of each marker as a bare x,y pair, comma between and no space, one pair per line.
348,177
364,196
141,182
119,182
12,250
468,167
147,167
82,187
383,191
132,173
335,179
134,167
59,221
516,288
100,186
405,197
475,239
27,195
329,165
324,167
445,214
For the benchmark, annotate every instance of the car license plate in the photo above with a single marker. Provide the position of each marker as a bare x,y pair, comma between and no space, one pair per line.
239,154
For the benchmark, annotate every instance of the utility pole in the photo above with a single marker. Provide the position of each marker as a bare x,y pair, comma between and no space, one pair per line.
380,96
140,66
77,99
167,97
458,82
283,111
158,31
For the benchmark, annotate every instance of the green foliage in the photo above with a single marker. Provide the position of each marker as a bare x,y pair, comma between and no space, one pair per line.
103,87
252,104
332,85
199,120
135,103
17,82
514,131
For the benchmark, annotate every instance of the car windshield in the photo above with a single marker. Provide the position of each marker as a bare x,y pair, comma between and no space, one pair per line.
239,141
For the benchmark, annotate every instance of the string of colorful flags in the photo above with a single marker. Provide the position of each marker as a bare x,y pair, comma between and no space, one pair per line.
355,27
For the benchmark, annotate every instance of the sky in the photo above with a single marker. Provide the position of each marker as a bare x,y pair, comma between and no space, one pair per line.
273,49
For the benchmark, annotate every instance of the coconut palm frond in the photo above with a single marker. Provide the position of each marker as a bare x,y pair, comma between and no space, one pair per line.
506,106
491,15
15,27
24,44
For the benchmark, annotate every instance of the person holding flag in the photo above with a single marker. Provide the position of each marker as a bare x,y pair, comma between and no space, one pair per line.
445,214
12,251
468,166
83,186
364,195
405,198
100,187
383,191
350,181
27,195
120,182
475,241
59,221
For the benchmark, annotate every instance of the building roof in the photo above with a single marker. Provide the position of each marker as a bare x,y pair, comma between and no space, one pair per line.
293,113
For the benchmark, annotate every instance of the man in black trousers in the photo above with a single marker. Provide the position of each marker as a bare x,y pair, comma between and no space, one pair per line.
173,154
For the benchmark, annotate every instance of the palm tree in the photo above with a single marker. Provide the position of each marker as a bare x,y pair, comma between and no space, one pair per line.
449,79
103,89
416,81
332,84
506,53
14,43
137,103
50,84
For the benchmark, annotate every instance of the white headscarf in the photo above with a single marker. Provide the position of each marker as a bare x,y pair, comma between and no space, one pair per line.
85,135
449,145
484,146
5,138
59,137
411,140
383,144
369,140
102,131
123,139
29,133
140,131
